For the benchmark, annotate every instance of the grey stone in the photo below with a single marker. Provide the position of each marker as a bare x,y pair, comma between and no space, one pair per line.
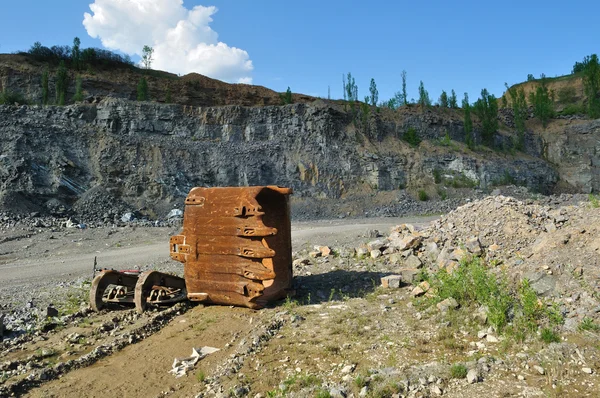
391,281
432,251
363,392
472,376
375,254
175,213
375,245
445,305
413,262
337,392
409,275
395,258
127,217
473,245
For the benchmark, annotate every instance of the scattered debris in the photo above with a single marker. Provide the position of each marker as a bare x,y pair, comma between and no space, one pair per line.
182,365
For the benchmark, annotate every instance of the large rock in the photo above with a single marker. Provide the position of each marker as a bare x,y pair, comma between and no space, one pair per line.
391,281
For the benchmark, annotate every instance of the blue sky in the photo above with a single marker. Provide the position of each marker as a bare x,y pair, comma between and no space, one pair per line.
309,44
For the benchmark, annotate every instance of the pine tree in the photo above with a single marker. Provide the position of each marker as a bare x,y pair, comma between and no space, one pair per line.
351,88
424,100
443,101
287,97
374,93
520,113
142,90
62,81
453,101
486,108
542,99
468,122
591,83
76,53
404,97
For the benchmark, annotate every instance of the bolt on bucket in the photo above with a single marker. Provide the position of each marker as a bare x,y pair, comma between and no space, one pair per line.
236,245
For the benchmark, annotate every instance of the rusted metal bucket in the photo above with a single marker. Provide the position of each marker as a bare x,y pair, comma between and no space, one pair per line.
236,245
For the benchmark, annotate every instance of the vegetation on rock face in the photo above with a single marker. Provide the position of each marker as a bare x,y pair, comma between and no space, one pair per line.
520,113
468,122
78,97
142,90
62,82
9,98
412,137
542,100
486,108
286,98
591,83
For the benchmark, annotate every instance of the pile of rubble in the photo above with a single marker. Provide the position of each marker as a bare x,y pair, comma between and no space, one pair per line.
556,249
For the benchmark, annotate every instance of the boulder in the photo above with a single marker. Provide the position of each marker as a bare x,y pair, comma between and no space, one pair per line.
413,261
391,281
445,305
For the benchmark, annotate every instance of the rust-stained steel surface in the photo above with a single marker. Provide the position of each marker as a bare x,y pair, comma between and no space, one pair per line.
236,245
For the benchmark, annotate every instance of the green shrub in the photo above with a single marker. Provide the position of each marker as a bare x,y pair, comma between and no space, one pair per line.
286,98
422,195
458,371
78,97
142,90
62,83
322,394
360,381
572,109
446,140
588,324
442,194
549,336
437,175
594,201
411,137
8,97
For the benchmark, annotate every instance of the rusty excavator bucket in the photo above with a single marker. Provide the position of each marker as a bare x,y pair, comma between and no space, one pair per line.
236,245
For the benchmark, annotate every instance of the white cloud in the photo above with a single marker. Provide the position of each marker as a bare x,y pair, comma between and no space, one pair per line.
182,39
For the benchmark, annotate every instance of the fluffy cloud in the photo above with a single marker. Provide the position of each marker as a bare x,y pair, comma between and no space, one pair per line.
182,39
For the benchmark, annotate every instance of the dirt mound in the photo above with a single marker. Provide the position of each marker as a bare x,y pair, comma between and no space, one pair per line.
555,248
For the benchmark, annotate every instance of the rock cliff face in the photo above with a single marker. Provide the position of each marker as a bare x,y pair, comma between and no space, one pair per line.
150,155
575,150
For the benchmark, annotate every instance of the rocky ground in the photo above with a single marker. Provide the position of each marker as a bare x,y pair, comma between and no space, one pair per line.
347,332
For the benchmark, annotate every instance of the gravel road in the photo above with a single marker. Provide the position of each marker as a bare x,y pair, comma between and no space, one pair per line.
45,258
